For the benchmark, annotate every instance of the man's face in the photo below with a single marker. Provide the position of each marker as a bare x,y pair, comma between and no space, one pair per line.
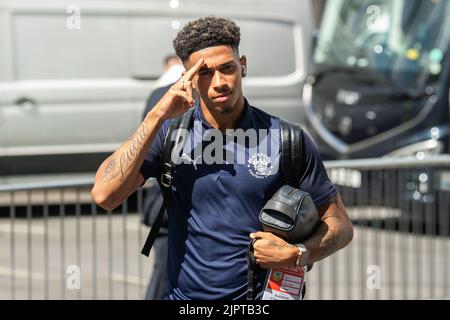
219,81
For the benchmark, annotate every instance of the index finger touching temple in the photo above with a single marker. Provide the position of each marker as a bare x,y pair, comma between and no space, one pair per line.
190,74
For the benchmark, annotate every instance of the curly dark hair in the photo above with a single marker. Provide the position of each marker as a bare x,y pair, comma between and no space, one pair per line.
206,32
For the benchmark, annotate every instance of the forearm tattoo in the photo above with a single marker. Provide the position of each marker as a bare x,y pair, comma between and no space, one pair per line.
123,161
276,245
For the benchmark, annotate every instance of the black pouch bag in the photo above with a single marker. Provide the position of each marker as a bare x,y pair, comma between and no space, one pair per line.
291,215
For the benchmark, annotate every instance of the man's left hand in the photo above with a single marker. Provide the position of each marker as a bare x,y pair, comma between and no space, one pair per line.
271,251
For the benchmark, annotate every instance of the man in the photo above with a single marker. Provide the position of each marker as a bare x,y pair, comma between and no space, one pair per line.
214,208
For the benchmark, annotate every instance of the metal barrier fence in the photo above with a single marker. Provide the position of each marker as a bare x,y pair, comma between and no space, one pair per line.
57,244
400,209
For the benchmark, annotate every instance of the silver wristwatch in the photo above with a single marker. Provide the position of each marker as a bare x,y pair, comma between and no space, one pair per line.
303,256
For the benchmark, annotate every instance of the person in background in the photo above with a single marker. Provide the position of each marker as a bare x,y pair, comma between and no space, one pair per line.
173,69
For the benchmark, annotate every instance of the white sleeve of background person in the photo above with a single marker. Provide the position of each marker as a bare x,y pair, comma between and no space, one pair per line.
170,76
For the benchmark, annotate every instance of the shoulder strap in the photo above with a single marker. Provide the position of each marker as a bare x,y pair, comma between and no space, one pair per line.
183,122
251,271
291,136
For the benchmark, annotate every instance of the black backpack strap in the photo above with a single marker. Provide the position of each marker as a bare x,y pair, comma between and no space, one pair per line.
183,122
252,266
291,136
154,231
167,163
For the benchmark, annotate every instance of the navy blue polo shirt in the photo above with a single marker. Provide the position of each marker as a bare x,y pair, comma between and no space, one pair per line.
216,206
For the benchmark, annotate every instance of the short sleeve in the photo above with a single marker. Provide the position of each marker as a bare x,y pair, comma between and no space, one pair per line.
151,167
315,179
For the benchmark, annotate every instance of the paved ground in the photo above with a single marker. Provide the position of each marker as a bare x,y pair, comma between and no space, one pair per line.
35,257
109,258
384,264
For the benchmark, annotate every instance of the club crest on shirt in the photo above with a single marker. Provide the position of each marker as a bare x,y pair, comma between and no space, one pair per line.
260,165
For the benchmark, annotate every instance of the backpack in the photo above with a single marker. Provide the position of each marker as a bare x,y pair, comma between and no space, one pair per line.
291,136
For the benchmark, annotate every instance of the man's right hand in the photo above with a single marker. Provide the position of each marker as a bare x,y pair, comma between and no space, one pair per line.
179,98
119,175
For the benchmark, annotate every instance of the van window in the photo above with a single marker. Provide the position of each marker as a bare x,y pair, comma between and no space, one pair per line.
151,41
45,48
269,47
109,47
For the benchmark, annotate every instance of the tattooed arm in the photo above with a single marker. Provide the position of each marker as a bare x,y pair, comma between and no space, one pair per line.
119,176
334,233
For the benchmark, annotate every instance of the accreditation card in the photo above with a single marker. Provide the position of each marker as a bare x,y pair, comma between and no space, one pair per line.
284,283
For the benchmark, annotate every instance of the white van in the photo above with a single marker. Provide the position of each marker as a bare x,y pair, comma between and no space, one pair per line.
75,75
